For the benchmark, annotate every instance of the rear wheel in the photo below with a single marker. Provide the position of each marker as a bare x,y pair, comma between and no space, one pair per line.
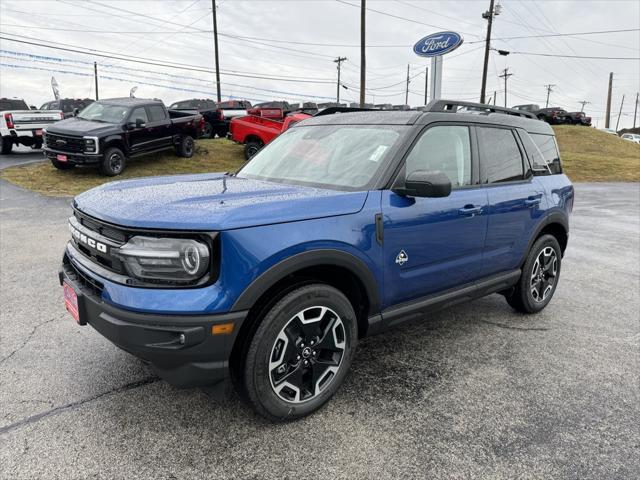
540,275
300,353
62,165
251,148
113,162
185,147
208,131
5,145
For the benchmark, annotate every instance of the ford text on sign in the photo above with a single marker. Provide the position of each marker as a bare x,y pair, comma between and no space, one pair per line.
438,44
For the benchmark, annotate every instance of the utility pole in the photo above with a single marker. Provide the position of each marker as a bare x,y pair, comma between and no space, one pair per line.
363,66
406,93
495,95
339,61
95,76
215,42
583,103
549,90
506,76
606,119
488,15
635,112
620,112
426,86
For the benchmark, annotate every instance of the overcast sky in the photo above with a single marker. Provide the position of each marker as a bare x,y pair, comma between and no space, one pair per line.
179,31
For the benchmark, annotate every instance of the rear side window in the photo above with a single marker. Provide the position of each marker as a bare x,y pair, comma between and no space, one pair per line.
139,113
156,113
500,156
549,150
445,148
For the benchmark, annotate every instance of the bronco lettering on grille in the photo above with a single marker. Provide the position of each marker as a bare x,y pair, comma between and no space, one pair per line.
82,238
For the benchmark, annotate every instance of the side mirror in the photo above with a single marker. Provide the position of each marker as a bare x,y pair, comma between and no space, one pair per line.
422,183
140,123
33,107
76,111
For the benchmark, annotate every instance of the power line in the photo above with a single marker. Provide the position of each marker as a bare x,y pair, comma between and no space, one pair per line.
160,64
574,56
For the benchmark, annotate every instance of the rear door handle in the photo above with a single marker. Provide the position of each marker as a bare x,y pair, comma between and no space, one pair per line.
470,211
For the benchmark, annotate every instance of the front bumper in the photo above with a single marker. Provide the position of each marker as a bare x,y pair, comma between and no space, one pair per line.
72,157
180,348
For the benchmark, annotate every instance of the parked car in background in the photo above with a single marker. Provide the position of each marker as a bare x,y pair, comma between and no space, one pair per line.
261,126
69,106
20,125
553,115
631,137
529,107
108,132
216,115
578,118
345,226
609,130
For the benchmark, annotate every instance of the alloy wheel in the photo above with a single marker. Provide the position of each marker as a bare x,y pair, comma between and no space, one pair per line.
307,354
544,274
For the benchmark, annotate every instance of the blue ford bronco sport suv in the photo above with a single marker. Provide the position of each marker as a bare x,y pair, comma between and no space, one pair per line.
344,226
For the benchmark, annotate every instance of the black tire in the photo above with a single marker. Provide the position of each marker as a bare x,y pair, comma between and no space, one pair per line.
539,280
5,146
62,165
251,148
113,162
208,132
313,357
186,147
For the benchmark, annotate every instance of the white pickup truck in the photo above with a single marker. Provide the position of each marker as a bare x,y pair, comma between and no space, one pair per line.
19,125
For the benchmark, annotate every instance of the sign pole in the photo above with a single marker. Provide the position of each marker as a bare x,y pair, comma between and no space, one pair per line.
436,77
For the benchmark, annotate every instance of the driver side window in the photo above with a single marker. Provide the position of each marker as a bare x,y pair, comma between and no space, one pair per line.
445,148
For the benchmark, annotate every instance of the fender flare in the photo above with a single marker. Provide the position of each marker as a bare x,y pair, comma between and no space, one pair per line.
311,258
554,217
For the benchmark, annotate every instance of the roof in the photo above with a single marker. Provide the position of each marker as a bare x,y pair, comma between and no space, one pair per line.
129,102
373,117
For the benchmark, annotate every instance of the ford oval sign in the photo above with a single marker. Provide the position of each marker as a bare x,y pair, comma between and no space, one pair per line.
438,44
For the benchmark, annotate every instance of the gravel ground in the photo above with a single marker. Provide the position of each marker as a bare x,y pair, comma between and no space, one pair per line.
475,391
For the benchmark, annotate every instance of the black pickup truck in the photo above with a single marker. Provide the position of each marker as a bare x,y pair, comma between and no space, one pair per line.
217,116
108,132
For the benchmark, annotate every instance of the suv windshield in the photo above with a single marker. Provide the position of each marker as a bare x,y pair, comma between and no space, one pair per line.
104,112
339,156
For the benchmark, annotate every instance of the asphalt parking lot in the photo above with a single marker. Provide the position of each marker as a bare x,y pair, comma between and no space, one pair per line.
476,391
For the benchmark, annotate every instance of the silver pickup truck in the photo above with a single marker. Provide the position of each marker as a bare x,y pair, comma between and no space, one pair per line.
19,125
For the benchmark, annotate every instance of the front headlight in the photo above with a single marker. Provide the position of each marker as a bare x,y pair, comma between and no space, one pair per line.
89,145
173,260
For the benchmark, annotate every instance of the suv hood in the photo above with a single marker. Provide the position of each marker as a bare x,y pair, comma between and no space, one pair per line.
212,201
78,126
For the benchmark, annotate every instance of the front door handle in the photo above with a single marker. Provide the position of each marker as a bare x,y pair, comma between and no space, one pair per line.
532,201
470,211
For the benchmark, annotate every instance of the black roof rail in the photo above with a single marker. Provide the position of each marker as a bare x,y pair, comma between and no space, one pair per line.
332,110
454,105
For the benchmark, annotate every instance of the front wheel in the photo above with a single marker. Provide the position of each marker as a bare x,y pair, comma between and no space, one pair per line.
300,353
540,275
113,162
207,132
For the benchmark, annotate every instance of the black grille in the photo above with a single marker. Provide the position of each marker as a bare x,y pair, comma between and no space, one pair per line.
88,284
64,143
105,260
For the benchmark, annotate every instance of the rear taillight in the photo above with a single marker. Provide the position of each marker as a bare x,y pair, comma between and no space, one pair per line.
9,119
61,115
202,123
